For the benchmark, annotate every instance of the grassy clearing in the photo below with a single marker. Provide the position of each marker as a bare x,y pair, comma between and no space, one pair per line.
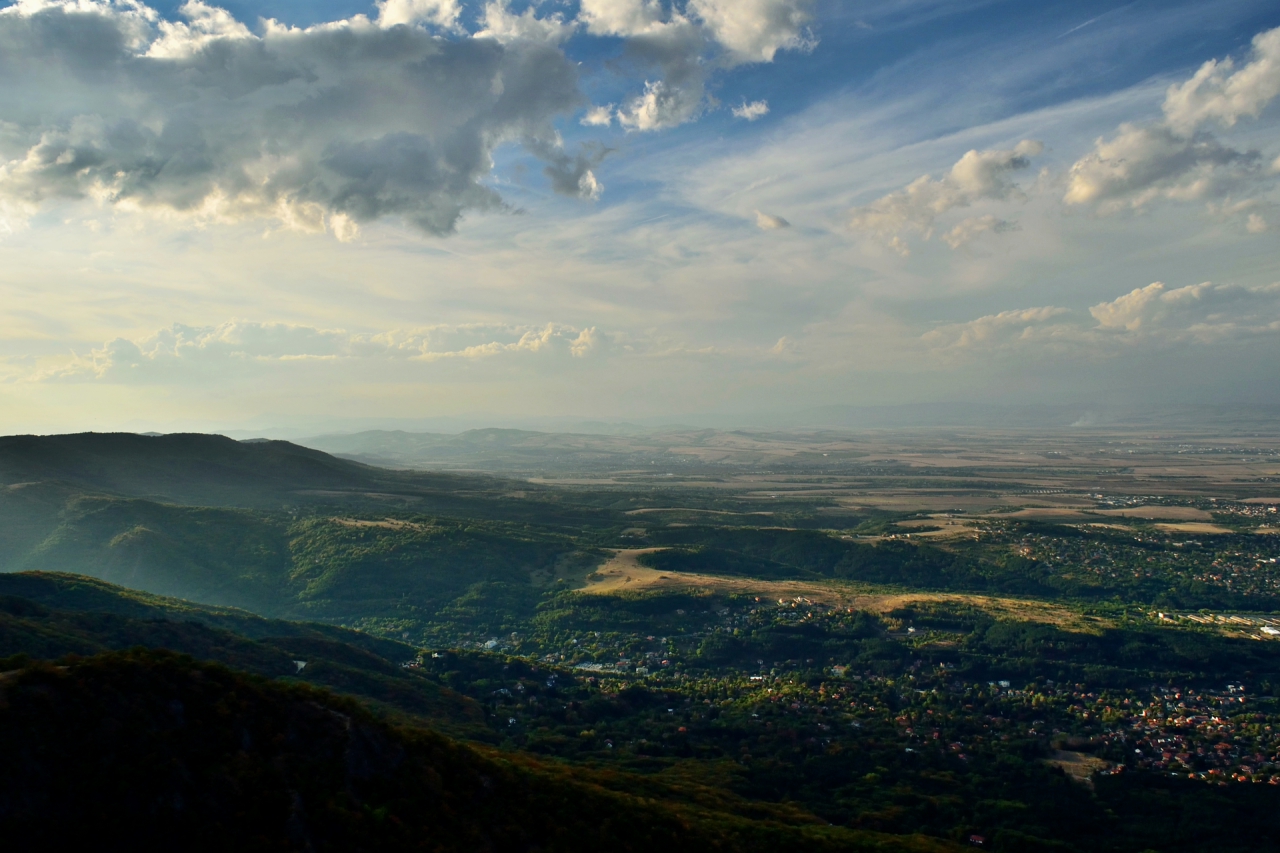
623,573
1194,527
386,523
1079,766
1173,513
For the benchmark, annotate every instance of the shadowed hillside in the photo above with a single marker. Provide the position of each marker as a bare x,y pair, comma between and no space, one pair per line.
38,474
151,750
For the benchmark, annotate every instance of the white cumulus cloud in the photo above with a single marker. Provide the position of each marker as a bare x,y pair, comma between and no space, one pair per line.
755,30
662,106
1154,317
1203,311
1006,328
966,230
752,111
1215,93
768,222
976,176
205,24
502,25
1177,159
684,46
622,17
439,13
598,116
1142,164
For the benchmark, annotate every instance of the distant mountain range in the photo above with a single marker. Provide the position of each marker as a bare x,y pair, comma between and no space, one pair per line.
1079,414
771,441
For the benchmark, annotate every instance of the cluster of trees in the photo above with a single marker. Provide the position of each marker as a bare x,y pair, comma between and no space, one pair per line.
150,750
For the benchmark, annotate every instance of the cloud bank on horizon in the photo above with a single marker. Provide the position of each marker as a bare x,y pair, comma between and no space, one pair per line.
576,196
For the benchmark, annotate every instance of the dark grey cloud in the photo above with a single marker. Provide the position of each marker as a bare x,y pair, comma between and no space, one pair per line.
323,127
571,174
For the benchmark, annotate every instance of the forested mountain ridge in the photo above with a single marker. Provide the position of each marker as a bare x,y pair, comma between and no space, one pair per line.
325,564
266,525
199,469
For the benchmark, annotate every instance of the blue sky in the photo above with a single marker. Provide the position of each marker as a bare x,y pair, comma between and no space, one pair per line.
620,209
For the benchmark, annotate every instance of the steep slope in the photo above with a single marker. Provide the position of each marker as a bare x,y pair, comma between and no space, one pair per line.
50,616
150,750
306,566
79,593
216,555
29,513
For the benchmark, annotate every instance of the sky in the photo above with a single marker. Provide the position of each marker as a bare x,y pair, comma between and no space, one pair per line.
295,214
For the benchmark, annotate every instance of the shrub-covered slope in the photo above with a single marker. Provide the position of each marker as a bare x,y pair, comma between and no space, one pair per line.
323,565
149,750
